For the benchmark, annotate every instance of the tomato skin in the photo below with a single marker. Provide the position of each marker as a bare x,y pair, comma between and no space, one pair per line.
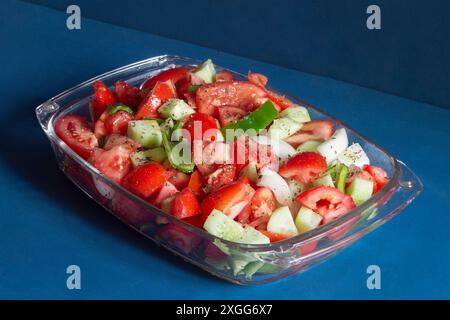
224,75
195,221
185,205
145,179
161,92
247,150
114,163
274,237
379,176
127,94
240,94
118,122
225,198
103,99
304,167
77,133
179,237
229,115
263,203
329,202
174,74
280,101
195,121
179,179
195,183
257,78
224,175
117,139
312,130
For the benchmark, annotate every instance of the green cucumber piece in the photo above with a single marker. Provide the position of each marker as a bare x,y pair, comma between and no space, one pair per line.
325,180
296,113
140,157
360,190
206,71
283,128
250,171
281,221
307,220
310,146
342,177
251,268
252,236
175,109
119,107
146,132
237,264
193,88
223,226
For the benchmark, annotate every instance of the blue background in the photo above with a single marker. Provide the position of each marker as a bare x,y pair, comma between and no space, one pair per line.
48,224
407,57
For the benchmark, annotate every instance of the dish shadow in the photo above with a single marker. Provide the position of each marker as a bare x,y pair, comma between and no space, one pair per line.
45,177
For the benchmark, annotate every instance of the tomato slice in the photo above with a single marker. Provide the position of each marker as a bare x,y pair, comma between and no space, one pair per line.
329,202
379,176
219,178
248,150
263,203
239,94
103,99
118,122
114,163
77,133
195,183
274,237
312,130
179,237
280,101
224,75
200,123
161,92
179,179
304,167
174,75
117,139
145,179
167,190
257,78
229,115
127,94
185,205
226,198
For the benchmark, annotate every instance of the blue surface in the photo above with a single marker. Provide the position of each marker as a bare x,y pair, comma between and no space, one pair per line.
407,57
48,224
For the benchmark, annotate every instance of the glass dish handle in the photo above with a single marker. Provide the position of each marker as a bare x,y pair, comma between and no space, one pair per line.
45,112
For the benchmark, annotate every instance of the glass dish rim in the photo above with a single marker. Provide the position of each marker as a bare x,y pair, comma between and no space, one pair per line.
298,240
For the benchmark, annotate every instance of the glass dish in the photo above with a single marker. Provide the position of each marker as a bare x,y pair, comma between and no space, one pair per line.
238,263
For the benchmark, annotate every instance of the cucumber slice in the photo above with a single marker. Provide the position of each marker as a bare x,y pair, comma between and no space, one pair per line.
252,236
309,146
354,155
296,113
175,109
146,132
283,128
281,222
206,71
223,226
119,107
360,190
307,220
325,180
333,147
237,264
251,268
250,171
141,157
295,187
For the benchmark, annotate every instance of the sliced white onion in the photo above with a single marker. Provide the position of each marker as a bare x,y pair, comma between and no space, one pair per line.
354,155
280,148
272,180
332,147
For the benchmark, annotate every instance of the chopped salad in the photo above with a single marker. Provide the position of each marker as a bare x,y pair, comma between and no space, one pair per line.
228,156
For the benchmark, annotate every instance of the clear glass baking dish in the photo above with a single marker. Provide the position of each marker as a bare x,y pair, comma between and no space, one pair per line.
238,263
